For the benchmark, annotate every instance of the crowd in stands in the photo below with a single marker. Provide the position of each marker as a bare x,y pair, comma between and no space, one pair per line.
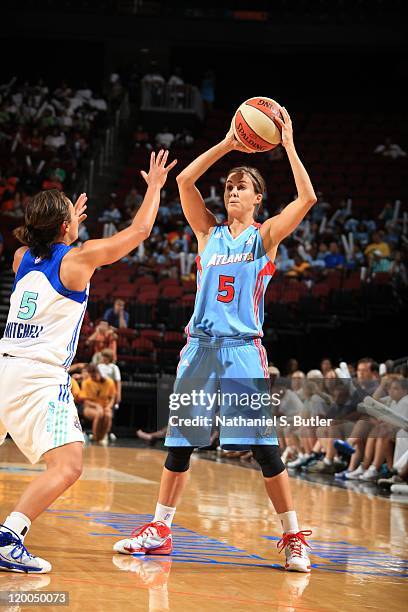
339,435
46,135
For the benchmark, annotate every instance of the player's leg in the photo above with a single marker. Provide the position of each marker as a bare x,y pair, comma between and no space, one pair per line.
246,363
278,489
64,467
44,425
155,538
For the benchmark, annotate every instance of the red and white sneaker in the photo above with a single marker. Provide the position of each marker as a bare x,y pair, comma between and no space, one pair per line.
294,544
150,539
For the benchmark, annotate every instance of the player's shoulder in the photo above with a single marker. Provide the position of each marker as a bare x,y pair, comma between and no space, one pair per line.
18,256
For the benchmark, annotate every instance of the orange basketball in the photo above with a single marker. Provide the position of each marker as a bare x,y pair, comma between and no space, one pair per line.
254,124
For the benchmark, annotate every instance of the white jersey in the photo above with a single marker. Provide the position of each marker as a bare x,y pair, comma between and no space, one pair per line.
45,318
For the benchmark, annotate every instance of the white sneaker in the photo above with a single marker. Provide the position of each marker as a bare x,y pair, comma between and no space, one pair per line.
355,474
370,475
104,441
112,437
14,557
298,462
294,544
150,539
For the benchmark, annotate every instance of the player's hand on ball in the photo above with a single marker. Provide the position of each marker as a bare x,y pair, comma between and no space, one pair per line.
80,207
286,127
234,144
158,170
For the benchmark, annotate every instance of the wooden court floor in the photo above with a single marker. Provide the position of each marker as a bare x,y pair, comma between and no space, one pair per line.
225,541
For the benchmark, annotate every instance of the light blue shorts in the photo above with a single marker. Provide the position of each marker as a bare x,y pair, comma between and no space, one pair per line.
225,385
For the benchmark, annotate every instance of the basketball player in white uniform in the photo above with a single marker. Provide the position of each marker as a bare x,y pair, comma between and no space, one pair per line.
47,305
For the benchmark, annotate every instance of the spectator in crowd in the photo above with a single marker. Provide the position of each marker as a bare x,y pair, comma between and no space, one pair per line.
378,263
334,260
165,138
117,316
320,209
377,244
387,212
111,218
398,270
325,365
109,369
389,149
141,137
208,89
184,139
292,366
343,414
98,395
133,201
103,337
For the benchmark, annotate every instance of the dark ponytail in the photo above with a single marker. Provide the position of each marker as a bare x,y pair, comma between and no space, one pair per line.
45,213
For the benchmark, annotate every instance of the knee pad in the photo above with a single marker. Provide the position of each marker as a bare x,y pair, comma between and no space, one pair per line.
268,457
178,458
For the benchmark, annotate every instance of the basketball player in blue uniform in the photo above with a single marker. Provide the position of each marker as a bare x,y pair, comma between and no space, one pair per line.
224,347
47,305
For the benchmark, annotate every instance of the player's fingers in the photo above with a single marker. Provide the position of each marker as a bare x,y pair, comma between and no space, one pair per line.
287,116
171,165
164,158
144,174
152,159
159,157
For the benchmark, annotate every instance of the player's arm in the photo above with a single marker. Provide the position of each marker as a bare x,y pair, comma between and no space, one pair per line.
277,228
94,253
197,214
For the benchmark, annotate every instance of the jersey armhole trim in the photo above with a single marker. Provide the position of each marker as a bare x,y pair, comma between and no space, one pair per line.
209,238
70,293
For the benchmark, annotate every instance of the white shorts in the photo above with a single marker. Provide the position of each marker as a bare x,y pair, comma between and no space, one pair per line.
36,406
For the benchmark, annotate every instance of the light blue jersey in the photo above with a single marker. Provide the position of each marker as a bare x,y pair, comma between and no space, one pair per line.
224,357
232,277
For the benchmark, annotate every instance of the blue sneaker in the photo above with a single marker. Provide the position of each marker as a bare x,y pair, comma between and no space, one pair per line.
344,448
341,475
14,557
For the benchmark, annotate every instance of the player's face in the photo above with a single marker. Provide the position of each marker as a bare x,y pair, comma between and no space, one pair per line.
239,196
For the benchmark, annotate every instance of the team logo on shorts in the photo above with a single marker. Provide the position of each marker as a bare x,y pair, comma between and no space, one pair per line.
77,423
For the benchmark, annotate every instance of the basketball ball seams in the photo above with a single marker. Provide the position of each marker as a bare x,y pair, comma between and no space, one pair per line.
256,141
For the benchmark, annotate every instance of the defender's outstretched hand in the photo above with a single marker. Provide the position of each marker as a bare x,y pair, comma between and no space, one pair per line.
286,127
158,171
80,207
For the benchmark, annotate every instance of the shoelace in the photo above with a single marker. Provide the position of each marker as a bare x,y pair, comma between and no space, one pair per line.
10,538
147,530
294,541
